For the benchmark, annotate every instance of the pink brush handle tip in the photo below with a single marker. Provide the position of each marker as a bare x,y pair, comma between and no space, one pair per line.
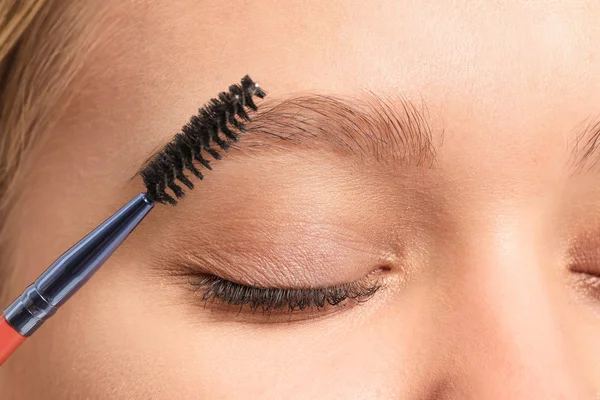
9,340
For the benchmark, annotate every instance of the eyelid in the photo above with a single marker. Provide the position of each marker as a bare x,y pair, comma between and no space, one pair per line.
584,264
584,254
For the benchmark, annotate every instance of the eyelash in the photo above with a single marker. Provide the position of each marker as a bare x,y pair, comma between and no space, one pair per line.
217,290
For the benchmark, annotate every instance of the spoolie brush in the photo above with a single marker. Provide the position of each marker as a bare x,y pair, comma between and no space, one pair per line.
187,151
224,116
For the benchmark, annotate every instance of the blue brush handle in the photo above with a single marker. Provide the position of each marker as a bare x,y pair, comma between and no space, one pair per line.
74,268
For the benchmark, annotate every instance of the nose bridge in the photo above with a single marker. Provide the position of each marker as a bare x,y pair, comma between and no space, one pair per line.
508,338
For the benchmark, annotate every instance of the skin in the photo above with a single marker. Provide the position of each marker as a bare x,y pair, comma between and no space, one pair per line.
479,300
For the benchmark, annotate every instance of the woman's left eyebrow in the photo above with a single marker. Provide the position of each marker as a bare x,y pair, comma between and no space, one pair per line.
585,155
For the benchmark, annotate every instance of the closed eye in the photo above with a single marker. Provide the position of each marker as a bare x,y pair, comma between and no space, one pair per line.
224,295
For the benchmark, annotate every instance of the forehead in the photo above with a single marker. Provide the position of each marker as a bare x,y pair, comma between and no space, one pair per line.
498,60
380,44
506,84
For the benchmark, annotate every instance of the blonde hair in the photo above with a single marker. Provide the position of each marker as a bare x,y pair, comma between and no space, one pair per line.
43,44
18,20
17,25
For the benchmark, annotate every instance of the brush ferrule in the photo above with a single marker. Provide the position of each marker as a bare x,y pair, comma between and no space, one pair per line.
29,311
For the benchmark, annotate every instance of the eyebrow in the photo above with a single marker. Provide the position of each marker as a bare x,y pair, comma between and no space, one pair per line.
380,128
375,127
585,154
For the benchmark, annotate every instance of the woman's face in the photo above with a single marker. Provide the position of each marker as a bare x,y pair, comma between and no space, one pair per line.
479,209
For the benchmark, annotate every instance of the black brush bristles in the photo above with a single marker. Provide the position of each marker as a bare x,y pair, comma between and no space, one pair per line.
188,150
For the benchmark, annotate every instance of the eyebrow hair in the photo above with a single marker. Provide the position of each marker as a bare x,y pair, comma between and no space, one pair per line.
585,154
381,128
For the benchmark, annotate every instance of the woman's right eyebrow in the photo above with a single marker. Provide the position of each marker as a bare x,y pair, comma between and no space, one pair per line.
376,128
373,128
